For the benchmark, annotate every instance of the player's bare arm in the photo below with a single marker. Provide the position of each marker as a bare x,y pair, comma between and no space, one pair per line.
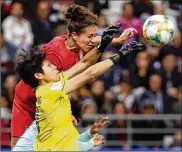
126,34
101,67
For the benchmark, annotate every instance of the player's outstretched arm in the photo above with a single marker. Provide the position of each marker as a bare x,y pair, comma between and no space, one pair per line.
126,34
88,75
101,67
91,57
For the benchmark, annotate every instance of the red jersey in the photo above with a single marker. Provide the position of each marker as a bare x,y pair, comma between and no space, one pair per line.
23,112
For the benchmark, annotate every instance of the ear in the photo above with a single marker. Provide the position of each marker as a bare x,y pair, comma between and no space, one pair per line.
74,36
38,76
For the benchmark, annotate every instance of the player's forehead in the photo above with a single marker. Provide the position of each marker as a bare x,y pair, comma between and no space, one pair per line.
46,62
90,30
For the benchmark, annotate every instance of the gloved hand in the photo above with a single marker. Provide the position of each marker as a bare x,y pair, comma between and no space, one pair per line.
131,47
107,36
126,50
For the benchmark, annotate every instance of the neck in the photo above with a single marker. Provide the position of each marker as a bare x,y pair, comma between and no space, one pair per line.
71,45
42,19
18,17
43,82
127,17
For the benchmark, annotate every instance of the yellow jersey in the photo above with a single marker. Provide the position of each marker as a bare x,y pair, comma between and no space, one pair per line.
55,130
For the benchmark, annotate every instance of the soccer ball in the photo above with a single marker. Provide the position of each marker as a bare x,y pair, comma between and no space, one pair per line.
158,30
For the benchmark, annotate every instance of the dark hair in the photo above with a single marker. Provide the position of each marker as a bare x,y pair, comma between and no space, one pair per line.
17,2
76,109
79,17
123,105
2,31
127,3
28,63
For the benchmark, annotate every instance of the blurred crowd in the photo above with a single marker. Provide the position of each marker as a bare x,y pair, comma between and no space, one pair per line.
148,82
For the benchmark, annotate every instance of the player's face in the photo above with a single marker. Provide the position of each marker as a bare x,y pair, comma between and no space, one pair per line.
50,72
84,39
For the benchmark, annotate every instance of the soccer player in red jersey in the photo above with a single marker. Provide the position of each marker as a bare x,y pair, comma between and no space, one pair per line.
64,52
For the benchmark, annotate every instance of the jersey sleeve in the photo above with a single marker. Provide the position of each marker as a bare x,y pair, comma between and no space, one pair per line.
85,136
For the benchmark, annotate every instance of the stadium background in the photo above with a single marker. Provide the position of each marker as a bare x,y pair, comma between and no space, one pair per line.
142,95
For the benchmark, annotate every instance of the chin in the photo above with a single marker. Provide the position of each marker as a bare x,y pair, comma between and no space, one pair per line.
88,49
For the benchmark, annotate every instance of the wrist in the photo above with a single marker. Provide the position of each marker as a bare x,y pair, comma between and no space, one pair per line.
92,132
115,58
121,40
101,48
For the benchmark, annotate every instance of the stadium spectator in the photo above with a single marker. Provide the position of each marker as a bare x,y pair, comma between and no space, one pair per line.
119,137
109,100
41,27
5,122
9,88
169,72
92,5
5,8
8,53
177,139
97,90
126,90
139,72
176,107
129,20
102,23
16,28
147,107
155,94
89,108
142,6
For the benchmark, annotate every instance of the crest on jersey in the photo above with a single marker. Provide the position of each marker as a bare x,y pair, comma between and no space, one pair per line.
56,86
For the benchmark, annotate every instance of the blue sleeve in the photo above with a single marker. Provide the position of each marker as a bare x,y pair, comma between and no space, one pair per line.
85,136
85,146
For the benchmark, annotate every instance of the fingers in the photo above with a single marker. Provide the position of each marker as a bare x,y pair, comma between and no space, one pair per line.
117,26
103,120
101,139
111,31
130,32
138,46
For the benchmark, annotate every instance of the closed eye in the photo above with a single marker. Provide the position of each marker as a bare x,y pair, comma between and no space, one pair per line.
49,63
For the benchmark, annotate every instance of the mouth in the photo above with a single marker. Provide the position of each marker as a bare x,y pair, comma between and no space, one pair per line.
89,46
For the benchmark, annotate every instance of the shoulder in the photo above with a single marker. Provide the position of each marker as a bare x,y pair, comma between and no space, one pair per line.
54,43
8,19
24,92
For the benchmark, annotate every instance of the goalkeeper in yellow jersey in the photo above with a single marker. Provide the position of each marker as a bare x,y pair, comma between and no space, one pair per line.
55,130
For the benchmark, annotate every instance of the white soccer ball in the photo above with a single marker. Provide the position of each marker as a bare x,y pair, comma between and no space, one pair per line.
158,30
